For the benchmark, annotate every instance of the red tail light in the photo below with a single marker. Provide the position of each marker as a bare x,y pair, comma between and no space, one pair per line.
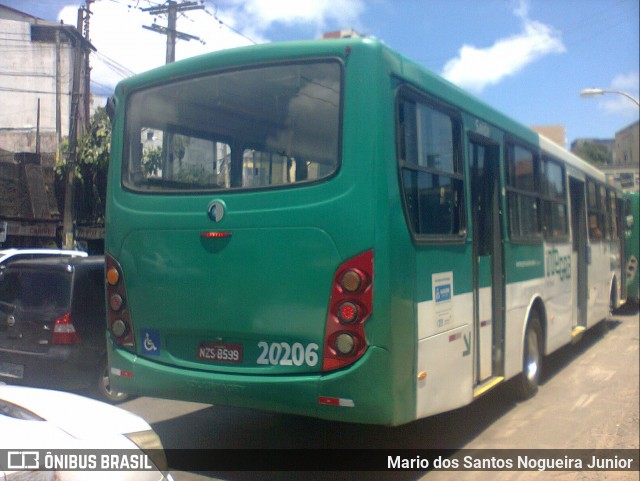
349,308
118,319
64,332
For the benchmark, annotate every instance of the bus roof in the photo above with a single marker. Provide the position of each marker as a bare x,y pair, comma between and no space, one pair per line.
397,64
550,147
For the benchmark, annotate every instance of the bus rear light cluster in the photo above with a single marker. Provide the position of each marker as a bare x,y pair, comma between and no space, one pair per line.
349,308
115,302
351,280
348,312
119,321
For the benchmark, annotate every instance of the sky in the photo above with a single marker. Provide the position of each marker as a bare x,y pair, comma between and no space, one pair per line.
527,58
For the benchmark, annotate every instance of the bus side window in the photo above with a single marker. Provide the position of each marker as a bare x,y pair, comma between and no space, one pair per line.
523,192
594,231
431,168
596,197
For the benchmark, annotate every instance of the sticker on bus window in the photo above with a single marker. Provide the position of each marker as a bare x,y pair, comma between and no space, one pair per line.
443,293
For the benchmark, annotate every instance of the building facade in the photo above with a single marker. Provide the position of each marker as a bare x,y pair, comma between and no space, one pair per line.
621,159
557,133
39,61
627,157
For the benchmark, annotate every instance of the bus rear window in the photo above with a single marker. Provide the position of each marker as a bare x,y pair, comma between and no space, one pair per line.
242,129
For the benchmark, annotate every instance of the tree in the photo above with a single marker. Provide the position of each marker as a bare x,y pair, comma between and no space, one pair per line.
90,170
594,153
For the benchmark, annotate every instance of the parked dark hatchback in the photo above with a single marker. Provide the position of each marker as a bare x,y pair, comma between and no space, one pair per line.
52,324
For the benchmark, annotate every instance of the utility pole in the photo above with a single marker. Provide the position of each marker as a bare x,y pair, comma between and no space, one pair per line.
38,131
68,217
58,97
87,68
171,8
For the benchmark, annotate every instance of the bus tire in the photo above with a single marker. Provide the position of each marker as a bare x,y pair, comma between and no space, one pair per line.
526,383
103,385
613,299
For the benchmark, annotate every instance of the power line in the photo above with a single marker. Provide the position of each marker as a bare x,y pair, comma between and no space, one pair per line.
215,16
172,9
113,65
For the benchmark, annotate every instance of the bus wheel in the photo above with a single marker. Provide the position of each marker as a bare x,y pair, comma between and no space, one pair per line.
613,299
103,385
526,384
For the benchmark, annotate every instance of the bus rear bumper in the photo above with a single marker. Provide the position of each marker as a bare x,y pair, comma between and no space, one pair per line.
353,394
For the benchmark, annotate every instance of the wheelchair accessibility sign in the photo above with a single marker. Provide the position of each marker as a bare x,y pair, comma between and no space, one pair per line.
150,342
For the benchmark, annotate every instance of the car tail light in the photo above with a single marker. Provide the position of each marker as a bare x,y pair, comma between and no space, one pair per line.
118,318
350,306
64,332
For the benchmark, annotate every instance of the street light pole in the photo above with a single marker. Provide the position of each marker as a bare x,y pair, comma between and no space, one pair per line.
596,92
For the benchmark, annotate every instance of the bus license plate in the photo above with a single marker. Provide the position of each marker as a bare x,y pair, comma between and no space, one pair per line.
14,371
216,352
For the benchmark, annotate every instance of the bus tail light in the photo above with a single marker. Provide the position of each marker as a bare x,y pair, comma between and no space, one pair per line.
118,319
350,306
348,312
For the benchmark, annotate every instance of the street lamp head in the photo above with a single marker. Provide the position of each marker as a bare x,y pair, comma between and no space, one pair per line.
591,92
595,92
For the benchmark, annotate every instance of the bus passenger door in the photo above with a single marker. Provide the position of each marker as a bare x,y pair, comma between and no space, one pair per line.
488,273
579,255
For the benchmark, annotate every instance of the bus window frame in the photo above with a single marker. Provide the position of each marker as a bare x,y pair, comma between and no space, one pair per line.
406,91
510,190
549,200
126,141
596,208
612,214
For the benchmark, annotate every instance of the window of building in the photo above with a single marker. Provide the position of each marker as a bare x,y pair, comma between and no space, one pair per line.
45,34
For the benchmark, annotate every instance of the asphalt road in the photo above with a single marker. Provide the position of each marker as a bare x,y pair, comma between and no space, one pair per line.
588,398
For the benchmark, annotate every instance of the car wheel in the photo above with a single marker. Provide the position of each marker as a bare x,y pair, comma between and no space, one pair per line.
526,385
104,386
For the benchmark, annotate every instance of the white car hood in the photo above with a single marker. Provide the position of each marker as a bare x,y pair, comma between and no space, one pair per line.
80,417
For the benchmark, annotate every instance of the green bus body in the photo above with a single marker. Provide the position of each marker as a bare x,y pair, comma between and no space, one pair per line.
231,287
632,245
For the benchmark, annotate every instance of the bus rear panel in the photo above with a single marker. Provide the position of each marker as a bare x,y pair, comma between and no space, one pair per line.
241,242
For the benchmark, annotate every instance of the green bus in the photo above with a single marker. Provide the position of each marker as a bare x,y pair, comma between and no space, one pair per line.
632,245
326,228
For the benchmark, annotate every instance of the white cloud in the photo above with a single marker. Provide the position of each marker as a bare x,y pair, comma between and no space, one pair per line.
619,104
117,33
264,13
476,68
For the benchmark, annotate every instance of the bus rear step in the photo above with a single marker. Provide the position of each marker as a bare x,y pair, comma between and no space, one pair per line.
576,333
487,385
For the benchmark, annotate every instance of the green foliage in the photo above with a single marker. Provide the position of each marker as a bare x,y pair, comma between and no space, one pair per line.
152,161
90,170
594,153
